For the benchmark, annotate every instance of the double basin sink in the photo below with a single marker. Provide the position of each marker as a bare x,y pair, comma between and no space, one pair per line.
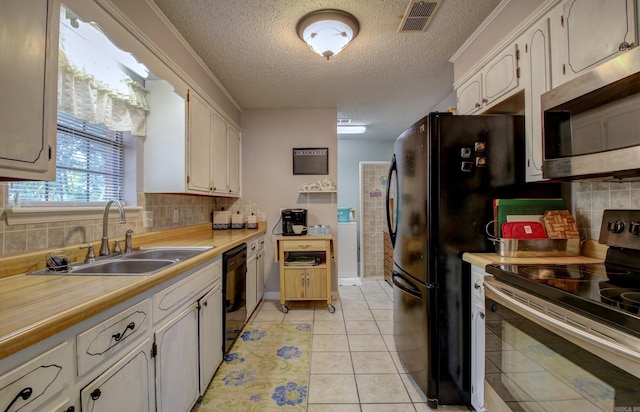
142,261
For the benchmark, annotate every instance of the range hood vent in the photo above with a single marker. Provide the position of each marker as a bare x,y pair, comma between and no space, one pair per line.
418,16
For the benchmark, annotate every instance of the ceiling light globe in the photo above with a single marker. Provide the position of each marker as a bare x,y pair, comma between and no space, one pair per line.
327,38
328,31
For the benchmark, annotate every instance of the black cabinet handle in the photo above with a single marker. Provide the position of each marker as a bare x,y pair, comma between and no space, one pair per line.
119,336
24,394
70,409
96,394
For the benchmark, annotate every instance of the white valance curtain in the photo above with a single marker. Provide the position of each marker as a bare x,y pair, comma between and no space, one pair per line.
93,87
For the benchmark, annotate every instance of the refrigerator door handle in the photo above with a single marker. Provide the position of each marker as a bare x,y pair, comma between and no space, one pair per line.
405,285
393,172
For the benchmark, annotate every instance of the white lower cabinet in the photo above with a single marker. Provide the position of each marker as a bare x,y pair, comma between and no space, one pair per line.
260,264
255,274
126,386
157,352
177,375
210,329
477,338
188,341
32,386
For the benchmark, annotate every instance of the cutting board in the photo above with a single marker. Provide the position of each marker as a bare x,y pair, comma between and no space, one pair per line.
505,207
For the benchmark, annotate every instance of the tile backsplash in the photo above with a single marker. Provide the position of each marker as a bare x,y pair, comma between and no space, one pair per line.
191,210
592,198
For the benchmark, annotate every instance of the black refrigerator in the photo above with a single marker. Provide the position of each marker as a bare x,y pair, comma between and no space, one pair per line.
445,172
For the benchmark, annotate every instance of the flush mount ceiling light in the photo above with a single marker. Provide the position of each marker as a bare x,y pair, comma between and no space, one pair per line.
328,31
352,129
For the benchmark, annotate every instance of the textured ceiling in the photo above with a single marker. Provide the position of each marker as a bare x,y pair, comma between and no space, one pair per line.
384,79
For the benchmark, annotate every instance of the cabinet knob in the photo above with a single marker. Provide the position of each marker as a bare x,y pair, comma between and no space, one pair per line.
478,105
476,285
96,394
70,409
481,315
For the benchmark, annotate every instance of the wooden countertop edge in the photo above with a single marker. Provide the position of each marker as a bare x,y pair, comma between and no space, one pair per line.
33,333
590,252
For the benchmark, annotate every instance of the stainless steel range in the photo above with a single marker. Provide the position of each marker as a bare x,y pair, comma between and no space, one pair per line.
580,323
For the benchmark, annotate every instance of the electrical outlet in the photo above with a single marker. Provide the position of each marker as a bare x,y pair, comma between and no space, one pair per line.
147,219
175,216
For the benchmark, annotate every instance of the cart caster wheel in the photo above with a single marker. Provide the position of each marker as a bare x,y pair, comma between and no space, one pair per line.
285,309
331,308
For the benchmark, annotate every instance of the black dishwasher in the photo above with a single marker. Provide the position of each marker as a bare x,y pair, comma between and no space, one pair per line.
234,291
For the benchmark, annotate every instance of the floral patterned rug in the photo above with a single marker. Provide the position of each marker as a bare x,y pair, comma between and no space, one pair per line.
267,369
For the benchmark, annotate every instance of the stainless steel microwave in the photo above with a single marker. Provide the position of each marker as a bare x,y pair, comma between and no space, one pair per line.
591,124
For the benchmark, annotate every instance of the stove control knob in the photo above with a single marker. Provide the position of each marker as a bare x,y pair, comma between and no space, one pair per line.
616,226
634,228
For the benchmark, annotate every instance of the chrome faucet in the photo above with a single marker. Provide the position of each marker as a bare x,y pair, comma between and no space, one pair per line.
104,247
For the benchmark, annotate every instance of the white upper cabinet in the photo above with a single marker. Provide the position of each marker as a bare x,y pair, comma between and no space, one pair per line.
190,147
199,145
536,78
226,158
29,50
470,95
496,80
586,33
234,163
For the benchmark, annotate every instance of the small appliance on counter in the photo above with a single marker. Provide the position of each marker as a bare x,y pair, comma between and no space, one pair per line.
291,218
221,220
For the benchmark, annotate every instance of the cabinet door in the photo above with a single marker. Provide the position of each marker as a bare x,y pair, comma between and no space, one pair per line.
500,76
29,50
477,356
470,95
234,161
593,31
252,283
177,376
260,275
219,138
126,386
537,65
210,335
316,283
294,283
199,145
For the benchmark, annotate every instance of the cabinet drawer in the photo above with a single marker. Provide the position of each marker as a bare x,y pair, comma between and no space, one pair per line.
29,386
303,245
477,288
186,290
252,247
106,340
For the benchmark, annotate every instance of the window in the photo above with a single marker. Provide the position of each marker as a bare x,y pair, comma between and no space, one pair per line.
90,161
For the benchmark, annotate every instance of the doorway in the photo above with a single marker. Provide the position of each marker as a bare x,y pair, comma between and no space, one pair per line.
372,221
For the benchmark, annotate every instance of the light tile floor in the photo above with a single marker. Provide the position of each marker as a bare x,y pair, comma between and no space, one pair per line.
354,365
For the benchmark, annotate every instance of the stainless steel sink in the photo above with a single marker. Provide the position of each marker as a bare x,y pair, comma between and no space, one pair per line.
140,262
122,267
171,253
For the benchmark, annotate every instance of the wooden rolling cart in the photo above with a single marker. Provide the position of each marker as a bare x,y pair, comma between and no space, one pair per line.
305,268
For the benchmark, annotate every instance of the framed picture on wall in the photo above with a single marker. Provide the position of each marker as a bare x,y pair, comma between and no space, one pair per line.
310,160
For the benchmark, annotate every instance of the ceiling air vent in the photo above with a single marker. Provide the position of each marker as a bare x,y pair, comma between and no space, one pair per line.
418,15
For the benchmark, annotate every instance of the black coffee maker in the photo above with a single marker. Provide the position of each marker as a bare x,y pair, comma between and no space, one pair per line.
291,218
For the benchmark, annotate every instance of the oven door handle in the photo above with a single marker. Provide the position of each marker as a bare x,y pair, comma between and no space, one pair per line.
492,291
